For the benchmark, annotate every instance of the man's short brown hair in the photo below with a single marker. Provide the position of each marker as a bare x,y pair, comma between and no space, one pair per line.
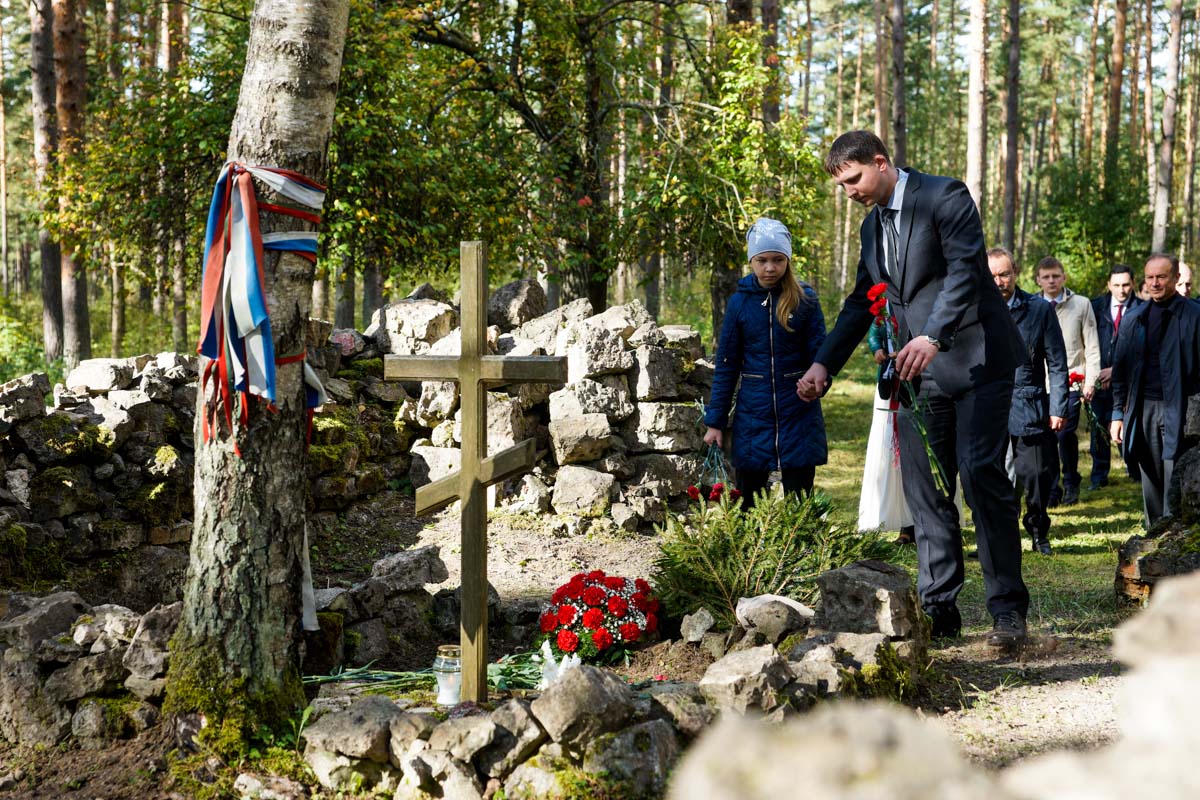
1002,252
860,146
1170,258
1050,262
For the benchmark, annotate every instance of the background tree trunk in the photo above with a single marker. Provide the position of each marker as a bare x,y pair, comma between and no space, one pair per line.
344,295
881,111
977,100
1089,87
1012,124
770,27
239,631
1166,152
1189,179
739,11
899,113
174,40
372,286
1112,130
45,149
116,322
1148,140
70,95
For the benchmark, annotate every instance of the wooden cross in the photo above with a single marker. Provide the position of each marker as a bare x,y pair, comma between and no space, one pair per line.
475,372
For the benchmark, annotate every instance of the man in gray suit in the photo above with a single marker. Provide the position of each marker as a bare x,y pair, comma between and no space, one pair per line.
924,240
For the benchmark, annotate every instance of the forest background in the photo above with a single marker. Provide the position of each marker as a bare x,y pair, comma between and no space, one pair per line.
617,149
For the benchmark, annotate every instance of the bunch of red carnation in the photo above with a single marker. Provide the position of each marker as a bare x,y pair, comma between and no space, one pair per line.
714,494
1076,377
877,294
599,616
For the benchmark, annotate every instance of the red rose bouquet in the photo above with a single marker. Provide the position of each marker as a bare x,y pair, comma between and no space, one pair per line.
599,616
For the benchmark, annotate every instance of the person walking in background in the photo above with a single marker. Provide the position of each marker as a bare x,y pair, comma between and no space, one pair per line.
924,239
1078,324
1184,285
1155,370
1109,309
1036,414
772,329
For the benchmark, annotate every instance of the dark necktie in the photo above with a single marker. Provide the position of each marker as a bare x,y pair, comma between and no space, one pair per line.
1117,321
887,220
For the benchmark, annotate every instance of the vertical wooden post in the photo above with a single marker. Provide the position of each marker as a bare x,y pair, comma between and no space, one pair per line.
473,491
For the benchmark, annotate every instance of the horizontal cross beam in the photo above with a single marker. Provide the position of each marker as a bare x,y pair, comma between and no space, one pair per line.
508,463
495,370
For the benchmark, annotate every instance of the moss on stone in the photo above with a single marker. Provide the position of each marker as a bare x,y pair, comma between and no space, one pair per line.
889,678
22,566
337,425
358,370
49,490
72,441
166,457
159,503
327,458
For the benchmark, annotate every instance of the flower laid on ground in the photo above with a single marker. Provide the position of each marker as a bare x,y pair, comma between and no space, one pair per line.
598,616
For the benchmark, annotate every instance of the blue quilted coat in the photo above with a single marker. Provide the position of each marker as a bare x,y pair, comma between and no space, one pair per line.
772,427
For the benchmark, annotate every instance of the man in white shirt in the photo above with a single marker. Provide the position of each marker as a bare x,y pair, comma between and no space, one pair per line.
1078,324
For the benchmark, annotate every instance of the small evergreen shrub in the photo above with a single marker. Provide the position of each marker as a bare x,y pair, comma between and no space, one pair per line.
719,553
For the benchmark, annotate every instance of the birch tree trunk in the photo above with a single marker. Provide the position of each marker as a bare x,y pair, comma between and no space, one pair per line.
235,656
977,100
1166,151
45,148
899,113
70,94
1112,130
1012,124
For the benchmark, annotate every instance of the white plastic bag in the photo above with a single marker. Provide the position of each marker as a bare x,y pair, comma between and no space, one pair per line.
882,504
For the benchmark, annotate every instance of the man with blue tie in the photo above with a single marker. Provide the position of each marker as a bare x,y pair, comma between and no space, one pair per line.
1110,309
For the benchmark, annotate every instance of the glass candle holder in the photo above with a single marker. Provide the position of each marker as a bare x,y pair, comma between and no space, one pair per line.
447,668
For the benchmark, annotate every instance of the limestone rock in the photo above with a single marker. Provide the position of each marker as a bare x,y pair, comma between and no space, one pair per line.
363,731
373,644
431,463
438,401
27,715
624,518
639,758
817,667
407,728
583,704
1144,560
463,737
348,341
98,674
747,679
579,439
592,351
543,331
99,375
657,373
868,597
516,303
539,778
411,326
532,497
840,752
582,491
664,428
776,618
47,617
518,736
674,472
410,570
622,320
152,575
647,333
682,704
23,398
685,339
587,396
696,624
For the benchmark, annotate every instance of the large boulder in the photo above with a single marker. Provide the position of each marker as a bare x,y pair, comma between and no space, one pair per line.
411,326
587,396
746,679
543,331
431,463
47,617
638,759
674,472
350,749
657,373
622,320
516,303
517,737
583,704
841,752
100,375
23,398
592,351
580,439
410,570
869,597
582,491
663,428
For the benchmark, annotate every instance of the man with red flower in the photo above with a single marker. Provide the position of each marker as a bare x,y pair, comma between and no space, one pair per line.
924,239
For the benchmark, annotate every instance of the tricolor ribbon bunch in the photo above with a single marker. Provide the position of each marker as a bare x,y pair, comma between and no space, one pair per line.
235,323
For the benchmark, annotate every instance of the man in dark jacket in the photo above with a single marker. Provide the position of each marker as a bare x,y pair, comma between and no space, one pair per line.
1110,309
1035,417
924,240
1155,370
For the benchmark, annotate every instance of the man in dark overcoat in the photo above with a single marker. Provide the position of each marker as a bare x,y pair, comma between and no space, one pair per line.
1110,309
924,240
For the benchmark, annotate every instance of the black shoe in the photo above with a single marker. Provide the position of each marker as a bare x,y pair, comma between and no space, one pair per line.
1008,630
974,554
945,622
1070,497
1098,485
1042,546
907,536
1054,499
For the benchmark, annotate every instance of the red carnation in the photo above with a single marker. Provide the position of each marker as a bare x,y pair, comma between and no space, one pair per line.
594,596
876,291
596,575
615,583
567,641
639,601
715,494
651,605
602,638
1075,377
641,586
593,618
879,306
617,606
574,589
566,615
651,623
734,494
559,595
694,492
630,632
549,621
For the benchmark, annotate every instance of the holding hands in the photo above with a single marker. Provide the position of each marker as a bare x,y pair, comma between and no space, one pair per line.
813,383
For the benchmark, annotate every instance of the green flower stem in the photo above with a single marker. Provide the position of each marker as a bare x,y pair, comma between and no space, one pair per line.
917,414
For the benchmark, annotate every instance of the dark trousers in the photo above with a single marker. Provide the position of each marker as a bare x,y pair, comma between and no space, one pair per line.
796,480
1156,473
1035,460
969,436
1068,450
1100,450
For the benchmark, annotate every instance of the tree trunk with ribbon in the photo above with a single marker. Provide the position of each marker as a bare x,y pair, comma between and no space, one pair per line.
235,656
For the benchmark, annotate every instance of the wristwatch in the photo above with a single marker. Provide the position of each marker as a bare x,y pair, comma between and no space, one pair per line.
935,342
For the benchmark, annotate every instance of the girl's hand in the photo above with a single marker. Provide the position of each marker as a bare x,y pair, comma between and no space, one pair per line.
713,436
880,356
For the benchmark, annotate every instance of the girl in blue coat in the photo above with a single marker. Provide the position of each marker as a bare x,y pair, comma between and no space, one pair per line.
772,330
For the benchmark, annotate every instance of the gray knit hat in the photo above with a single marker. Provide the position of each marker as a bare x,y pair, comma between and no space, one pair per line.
768,236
